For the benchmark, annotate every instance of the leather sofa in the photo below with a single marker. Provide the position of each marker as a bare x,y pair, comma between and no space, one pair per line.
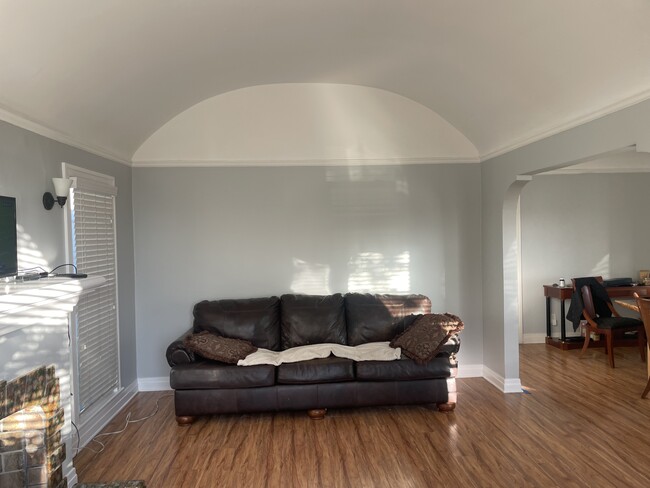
205,387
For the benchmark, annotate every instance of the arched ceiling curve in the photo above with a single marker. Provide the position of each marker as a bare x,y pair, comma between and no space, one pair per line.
106,75
303,124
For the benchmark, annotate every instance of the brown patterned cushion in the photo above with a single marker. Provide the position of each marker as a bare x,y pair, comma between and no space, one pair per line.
224,349
423,339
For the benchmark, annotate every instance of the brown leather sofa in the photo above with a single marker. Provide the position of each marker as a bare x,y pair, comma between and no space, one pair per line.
204,387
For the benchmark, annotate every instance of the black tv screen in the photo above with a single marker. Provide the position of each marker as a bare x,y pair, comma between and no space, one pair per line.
8,240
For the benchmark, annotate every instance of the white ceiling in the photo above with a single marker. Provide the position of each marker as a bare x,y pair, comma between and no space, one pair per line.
105,75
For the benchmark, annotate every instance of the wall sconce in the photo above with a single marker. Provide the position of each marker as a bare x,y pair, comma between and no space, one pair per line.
61,189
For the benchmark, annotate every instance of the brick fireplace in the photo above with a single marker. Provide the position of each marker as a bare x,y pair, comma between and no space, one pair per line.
31,418
36,441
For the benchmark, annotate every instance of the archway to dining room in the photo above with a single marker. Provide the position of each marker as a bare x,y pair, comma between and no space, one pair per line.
527,262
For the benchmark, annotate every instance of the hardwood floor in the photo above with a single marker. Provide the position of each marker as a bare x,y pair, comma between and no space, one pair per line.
581,424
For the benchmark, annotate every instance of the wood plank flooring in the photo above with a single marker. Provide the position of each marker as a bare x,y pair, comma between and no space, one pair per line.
581,424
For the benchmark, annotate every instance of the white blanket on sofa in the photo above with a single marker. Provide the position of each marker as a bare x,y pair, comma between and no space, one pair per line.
372,351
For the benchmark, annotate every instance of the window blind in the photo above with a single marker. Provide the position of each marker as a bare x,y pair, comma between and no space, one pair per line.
93,250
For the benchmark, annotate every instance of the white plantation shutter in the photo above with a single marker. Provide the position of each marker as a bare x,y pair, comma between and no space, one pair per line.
93,249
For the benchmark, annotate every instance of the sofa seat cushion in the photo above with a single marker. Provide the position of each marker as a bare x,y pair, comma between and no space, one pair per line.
207,375
312,319
404,369
325,370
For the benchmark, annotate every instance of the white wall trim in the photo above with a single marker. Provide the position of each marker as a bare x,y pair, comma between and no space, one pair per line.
506,385
41,129
536,338
92,426
71,476
160,383
569,124
173,163
582,171
470,371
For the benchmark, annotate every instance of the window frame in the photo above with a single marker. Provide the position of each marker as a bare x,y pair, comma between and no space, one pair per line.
90,181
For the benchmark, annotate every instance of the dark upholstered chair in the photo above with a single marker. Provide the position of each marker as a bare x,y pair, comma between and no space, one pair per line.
607,326
644,310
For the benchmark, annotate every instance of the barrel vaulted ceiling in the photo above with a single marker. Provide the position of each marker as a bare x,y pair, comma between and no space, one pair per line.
108,75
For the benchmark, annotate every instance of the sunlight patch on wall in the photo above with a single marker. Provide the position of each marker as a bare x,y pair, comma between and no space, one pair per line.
29,256
602,268
372,272
310,278
511,287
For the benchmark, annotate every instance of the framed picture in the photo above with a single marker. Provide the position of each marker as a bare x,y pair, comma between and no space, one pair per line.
644,276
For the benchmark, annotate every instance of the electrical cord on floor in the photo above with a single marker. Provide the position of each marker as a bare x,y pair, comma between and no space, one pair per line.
126,424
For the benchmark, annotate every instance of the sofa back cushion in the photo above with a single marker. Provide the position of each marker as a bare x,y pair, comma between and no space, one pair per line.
253,319
312,319
374,318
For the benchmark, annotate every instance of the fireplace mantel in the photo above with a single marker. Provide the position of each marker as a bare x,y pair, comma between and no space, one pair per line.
34,321
23,303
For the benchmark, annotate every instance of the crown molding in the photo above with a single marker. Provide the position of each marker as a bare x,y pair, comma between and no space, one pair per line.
591,171
242,163
569,124
41,129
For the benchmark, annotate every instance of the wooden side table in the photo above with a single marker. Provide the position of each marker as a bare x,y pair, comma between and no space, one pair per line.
564,293
561,293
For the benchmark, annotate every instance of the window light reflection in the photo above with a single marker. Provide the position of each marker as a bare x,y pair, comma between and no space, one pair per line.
372,272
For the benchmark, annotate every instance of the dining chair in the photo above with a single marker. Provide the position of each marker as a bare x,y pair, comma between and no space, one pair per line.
644,310
607,326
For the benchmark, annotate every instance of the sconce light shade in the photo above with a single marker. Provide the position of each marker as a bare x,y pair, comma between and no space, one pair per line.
61,189
62,186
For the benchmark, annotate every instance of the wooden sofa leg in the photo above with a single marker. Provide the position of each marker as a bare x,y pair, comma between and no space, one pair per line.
446,407
317,413
184,420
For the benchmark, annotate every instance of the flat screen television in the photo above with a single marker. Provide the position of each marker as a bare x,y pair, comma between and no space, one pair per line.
8,238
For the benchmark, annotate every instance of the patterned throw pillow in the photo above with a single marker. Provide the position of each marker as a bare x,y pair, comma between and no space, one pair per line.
423,339
224,349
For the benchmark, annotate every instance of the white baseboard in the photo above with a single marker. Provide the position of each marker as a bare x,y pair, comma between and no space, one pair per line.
470,371
534,338
92,425
71,476
506,385
160,383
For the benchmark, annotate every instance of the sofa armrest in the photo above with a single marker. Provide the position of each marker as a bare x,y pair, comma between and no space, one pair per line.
177,353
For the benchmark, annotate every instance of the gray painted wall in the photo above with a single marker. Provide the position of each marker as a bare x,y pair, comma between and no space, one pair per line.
580,225
28,162
209,233
612,132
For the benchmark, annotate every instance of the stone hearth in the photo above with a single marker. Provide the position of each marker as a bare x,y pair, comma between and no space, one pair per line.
31,417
